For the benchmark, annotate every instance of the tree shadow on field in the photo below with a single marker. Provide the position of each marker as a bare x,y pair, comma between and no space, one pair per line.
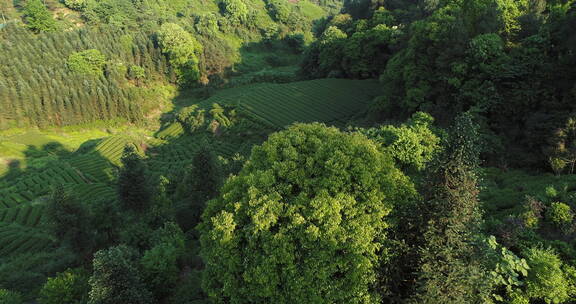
41,163
24,190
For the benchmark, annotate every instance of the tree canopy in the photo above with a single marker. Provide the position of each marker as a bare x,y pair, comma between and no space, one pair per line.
303,222
38,18
89,62
182,49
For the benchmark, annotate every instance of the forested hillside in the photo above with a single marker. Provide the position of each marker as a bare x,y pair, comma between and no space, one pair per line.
83,61
287,151
511,62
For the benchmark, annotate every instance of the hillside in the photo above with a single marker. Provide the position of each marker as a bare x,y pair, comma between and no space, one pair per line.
86,162
287,151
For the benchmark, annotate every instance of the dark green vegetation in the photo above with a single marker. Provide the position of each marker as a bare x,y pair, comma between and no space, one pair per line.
273,151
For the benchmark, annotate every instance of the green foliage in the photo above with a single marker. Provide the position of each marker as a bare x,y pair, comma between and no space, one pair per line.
532,212
162,208
116,278
235,10
169,234
280,10
560,215
68,220
218,113
412,145
453,268
136,72
507,273
76,4
546,281
136,234
332,42
160,269
200,184
26,273
563,150
70,287
133,187
192,118
303,222
10,297
551,192
88,62
189,291
106,221
354,49
28,80
38,18
160,263
183,51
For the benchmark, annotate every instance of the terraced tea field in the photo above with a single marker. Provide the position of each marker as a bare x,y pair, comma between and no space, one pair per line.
88,165
324,100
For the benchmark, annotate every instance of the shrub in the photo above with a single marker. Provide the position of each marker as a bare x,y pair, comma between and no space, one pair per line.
532,212
546,281
551,192
279,10
9,297
412,145
136,72
88,62
560,214
76,4
557,164
66,287
295,41
235,10
116,278
38,17
160,268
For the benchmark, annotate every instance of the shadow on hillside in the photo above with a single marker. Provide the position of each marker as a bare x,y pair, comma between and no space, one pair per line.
273,61
44,167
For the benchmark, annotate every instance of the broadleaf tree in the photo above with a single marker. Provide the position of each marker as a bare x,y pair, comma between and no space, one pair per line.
303,222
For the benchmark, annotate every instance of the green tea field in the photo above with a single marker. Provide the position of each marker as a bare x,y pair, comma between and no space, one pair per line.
86,162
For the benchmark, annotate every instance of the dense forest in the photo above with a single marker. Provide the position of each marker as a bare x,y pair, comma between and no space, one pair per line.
287,151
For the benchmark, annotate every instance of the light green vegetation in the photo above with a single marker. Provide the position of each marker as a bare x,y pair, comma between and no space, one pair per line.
277,105
86,162
327,191
34,148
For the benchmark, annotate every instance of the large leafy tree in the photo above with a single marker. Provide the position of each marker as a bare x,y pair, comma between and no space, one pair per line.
303,222
116,278
38,17
89,62
183,51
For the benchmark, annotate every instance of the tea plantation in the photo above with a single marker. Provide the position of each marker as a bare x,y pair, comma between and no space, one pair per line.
87,165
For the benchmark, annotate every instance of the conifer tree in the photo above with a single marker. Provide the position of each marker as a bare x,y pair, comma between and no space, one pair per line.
451,269
200,184
68,220
133,189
